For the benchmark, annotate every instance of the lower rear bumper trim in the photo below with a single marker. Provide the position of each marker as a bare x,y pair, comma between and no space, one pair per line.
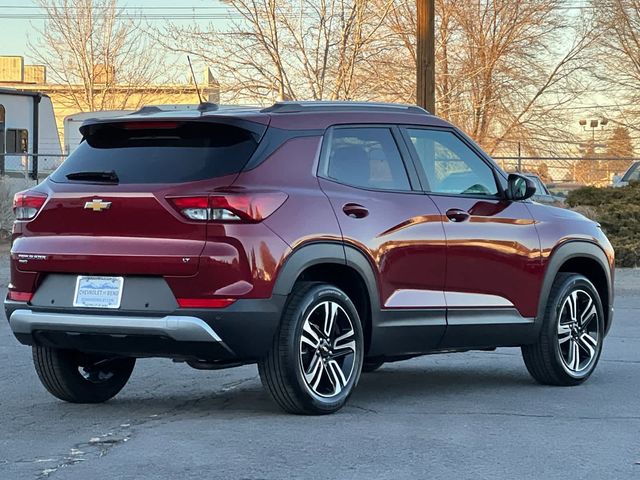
177,327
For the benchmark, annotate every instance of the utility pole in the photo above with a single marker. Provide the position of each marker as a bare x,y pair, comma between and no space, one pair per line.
426,58
519,158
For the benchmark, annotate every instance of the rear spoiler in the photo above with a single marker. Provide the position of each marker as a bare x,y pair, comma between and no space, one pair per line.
255,123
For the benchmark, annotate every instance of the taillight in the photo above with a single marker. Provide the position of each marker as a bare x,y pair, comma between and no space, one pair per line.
19,296
27,204
194,208
230,207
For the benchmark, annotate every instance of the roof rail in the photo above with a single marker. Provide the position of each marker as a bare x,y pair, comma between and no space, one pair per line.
320,105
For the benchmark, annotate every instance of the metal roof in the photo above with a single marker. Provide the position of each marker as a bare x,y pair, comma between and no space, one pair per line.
21,93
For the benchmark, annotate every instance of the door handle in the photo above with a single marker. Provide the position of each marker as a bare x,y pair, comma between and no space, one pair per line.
456,215
355,210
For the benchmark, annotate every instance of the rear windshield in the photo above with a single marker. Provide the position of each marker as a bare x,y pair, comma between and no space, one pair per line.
161,152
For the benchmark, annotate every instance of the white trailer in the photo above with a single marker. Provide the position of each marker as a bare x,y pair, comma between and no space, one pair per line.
72,123
29,141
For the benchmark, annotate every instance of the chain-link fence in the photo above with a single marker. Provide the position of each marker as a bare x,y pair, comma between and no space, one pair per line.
23,170
598,171
570,171
19,171
32,166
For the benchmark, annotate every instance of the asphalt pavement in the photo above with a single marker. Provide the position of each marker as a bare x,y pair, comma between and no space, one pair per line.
457,416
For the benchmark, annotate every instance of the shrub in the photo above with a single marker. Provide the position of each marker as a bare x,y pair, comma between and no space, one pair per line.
618,211
8,187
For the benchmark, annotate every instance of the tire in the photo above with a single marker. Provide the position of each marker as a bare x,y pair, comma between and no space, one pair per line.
553,359
371,366
314,373
81,378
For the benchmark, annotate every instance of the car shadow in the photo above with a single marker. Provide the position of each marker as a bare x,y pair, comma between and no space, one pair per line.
390,384
438,384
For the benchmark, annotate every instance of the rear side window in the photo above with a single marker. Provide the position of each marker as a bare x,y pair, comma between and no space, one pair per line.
367,158
161,152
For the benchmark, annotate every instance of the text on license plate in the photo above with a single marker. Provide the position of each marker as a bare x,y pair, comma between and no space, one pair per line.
98,292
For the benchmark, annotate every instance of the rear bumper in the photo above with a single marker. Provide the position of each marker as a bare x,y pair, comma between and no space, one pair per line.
178,328
242,332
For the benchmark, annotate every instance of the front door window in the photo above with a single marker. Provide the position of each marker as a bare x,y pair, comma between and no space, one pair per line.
450,166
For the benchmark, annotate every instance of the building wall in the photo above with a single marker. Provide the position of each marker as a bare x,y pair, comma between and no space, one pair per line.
63,104
11,69
15,74
35,74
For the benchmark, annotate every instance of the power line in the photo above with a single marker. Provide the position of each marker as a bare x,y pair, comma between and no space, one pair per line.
174,12
151,16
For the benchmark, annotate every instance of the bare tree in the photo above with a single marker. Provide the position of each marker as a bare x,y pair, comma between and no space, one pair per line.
618,66
102,57
287,49
504,68
620,145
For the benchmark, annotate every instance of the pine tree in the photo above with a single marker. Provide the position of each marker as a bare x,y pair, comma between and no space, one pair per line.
619,145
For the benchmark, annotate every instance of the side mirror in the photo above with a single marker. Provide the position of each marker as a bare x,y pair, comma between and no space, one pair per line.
616,178
519,187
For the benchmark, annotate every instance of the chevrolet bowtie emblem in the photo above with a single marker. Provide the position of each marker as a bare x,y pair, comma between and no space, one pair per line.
97,205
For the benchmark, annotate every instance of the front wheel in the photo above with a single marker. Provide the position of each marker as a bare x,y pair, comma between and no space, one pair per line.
371,365
80,377
316,356
570,343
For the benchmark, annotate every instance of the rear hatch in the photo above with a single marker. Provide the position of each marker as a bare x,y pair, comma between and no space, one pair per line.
110,207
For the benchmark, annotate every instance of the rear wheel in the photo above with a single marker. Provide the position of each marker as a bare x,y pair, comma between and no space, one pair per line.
570,343
316,357
79,377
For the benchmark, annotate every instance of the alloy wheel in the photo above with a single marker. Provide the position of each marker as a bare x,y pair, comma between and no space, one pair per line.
98,370
578,332
327,349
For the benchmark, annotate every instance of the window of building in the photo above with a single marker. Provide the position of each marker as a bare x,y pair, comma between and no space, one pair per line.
17,141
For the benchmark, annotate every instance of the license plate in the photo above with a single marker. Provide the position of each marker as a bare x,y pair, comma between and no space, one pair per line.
98,292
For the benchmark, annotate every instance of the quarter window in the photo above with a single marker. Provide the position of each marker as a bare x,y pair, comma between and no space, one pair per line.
367,158
451,167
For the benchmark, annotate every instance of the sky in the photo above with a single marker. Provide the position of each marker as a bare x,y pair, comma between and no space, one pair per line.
20,19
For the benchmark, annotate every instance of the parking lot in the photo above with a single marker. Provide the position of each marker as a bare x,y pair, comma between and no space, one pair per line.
473,415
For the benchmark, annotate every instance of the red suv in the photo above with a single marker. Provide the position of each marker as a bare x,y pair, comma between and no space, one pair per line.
316,239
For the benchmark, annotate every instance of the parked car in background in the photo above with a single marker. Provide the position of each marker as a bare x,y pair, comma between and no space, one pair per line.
631,175
318,240
543,195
